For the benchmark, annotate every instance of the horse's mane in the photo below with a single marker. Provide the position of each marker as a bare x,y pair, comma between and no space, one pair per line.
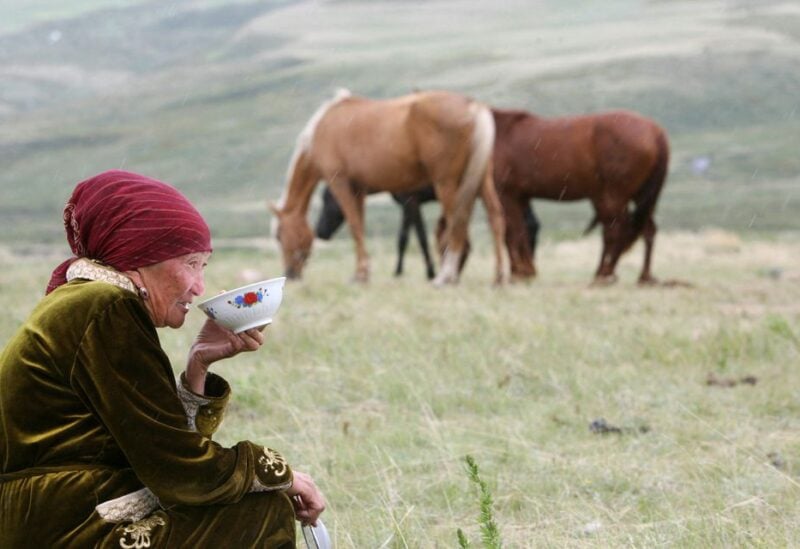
303,144
305,137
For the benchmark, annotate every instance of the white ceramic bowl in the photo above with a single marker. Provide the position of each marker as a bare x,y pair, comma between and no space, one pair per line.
247,307
316,537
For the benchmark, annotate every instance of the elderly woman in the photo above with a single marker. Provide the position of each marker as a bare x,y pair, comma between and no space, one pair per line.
99,444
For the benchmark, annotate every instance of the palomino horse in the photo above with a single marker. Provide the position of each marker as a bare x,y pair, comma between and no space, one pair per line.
331,218
613,159
393,145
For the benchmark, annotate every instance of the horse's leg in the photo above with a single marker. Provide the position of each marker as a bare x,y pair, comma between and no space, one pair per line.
402,239
415,212
649,235
526,243
451,234
497,222
518,238
352,204
613,220
532,224
617,227
441,227
605,274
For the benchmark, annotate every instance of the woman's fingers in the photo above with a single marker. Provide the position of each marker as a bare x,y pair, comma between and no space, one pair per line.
256,333
308,501
251,339
305,514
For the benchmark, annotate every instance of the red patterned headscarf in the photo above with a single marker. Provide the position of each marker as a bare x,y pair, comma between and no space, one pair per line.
126,221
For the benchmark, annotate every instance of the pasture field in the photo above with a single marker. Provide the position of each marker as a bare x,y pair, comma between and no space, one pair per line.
380,391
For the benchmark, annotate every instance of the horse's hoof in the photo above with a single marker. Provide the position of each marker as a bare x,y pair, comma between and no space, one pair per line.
648,281
441,281
522,276
603,280
521,279
675,283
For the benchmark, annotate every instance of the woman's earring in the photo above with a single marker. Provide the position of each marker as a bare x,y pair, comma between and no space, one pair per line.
144,293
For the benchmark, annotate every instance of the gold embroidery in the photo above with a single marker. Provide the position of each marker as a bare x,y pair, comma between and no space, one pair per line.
273,460
139,533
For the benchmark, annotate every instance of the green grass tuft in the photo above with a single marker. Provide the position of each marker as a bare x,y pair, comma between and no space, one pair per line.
490,534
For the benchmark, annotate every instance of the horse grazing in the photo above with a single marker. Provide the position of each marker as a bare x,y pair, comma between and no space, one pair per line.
614,159
331,218
360,145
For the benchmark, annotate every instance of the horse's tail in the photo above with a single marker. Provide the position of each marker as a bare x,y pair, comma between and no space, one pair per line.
478,163
647,196
592,224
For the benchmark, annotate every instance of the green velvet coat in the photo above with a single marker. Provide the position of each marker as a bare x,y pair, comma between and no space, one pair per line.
90,412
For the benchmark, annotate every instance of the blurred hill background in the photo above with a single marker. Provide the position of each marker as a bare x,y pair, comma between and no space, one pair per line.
210,95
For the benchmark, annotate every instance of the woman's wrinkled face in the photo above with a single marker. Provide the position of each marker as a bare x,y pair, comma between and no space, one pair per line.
171,287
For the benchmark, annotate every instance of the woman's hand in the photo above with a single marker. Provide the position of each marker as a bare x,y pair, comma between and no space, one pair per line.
214,343
307,499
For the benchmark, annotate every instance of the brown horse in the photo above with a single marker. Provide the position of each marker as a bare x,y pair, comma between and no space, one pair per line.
393,145
613,159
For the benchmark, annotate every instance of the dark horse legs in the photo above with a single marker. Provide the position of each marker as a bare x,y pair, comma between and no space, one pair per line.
532,226
522,235
518,237
649,234
619,234
523,217
612,238
331,218
412,215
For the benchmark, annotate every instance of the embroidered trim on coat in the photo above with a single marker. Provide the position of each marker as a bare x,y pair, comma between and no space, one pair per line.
259,486
272,460
191,404
90,270
134,506
139,533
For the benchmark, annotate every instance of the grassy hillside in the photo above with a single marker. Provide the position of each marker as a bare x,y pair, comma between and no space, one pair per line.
210,95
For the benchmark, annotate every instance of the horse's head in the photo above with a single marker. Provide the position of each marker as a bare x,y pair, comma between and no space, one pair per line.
295,237
330,218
